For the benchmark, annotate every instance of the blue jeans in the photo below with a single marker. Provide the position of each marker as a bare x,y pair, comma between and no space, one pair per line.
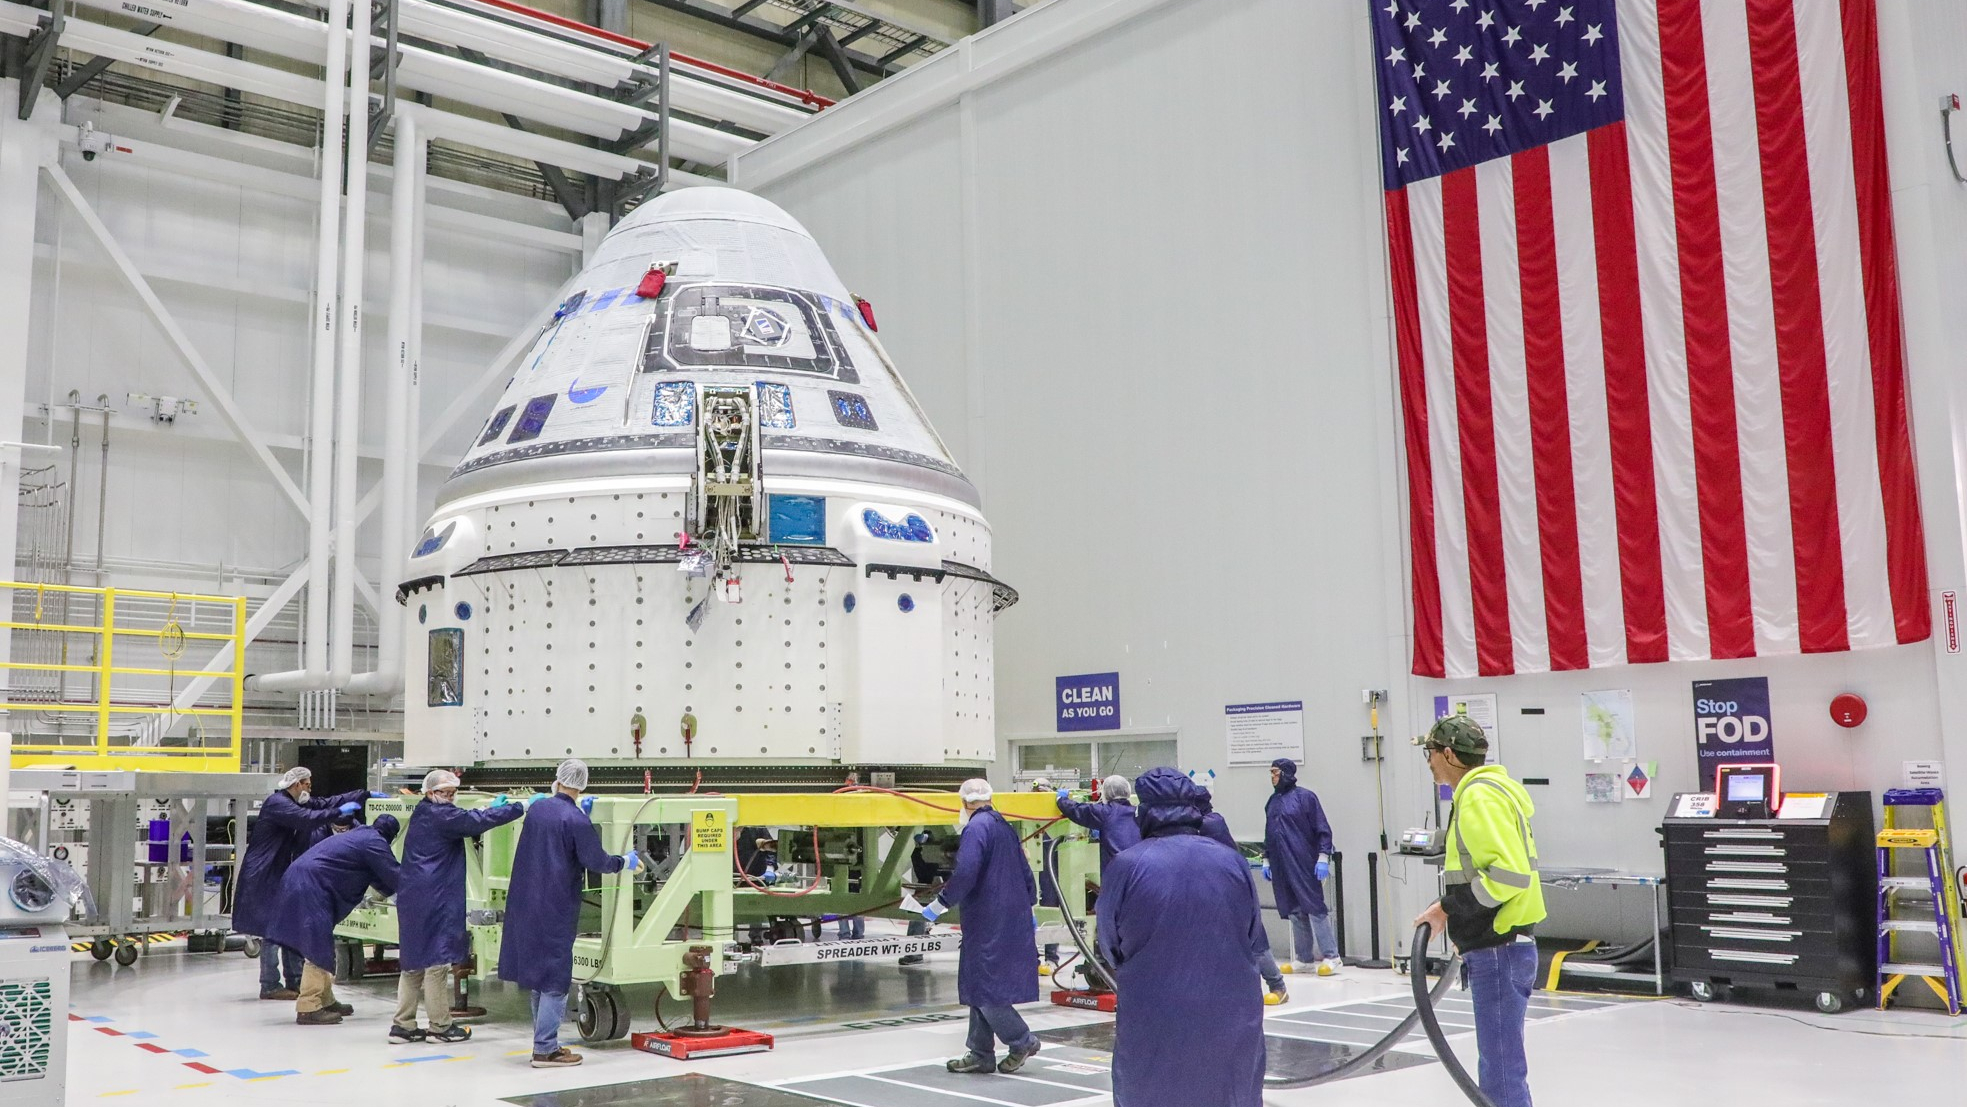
1499,981
852,927
1313,936
990,1025
549,1011
1273,976
279,967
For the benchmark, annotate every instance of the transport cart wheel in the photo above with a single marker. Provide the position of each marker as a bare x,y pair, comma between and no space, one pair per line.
101,948
251,949
126,953
1830,1003
1705,992
602,1017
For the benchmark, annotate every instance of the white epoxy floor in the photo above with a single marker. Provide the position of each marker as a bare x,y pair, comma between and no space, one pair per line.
176,1014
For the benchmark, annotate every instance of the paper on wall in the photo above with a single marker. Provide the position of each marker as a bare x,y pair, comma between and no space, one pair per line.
1609,732
1604,787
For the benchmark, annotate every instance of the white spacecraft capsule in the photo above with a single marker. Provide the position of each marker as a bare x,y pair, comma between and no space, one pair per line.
706,522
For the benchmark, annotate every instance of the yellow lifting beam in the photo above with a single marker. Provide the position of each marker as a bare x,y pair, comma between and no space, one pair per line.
835,809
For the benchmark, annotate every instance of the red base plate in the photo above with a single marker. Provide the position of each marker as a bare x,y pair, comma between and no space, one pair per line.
1091,1001
731,1041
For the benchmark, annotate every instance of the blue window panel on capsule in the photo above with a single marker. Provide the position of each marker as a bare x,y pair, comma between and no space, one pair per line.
497,426
675,404
533,420
797,520
433,539
912,527
851,410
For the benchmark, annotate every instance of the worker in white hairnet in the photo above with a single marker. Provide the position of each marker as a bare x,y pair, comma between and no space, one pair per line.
543,904
991,885
430,904
289,821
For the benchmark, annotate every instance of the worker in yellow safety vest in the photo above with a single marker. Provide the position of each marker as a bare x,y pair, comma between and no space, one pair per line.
1493,901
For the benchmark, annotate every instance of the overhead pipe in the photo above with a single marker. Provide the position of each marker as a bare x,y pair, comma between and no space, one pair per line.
399,446
348,363
314,671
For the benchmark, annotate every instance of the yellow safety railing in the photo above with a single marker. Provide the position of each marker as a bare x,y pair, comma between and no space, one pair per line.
167,638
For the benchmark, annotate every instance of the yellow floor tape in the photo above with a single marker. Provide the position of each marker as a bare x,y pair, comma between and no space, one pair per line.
1557,963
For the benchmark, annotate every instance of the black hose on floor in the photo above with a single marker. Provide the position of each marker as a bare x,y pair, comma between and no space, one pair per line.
1423,1012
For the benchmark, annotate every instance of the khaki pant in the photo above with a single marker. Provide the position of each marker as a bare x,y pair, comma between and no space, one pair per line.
317,989
433,985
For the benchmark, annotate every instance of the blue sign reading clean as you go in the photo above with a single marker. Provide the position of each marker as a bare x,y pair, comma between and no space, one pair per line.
1090,701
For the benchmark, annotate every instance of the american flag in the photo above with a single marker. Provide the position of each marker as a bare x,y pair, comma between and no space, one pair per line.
1647,330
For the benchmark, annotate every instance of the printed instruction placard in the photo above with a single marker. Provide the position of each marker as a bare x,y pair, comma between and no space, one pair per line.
1260,733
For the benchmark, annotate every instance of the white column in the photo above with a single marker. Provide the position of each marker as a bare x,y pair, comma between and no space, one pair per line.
24,148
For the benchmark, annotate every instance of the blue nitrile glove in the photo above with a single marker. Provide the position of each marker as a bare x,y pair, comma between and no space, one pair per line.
587,805
631,861
1065,794
349,808
1096,834
1034,922
921,837
501,800
534,798
771,875
1266,870
1322,870
933,910
378,795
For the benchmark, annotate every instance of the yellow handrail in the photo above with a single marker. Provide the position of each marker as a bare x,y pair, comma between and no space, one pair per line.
101,753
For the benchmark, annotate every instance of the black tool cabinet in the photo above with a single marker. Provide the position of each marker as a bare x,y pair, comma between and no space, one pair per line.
1784,904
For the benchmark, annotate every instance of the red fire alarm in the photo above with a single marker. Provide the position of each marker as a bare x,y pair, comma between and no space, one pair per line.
1848,710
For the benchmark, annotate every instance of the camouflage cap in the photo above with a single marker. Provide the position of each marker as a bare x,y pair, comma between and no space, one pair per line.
1456,732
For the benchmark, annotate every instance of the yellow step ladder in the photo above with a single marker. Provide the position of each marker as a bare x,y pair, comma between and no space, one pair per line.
1924,902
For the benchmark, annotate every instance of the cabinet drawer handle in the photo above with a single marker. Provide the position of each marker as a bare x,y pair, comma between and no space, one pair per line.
1738,934
1745,851
1750,901
1754,956
1746,867
1775,835
1750,918
1751,885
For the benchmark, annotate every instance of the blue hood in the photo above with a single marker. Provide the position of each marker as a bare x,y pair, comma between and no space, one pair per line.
1167,800
1287,774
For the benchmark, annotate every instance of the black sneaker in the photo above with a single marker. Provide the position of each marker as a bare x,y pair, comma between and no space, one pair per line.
452,1033
405,1035
342,1009
326,1016
970,1062
912,959
1016,1058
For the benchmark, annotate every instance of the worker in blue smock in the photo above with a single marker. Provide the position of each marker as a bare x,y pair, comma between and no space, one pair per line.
991,884
1112,819
1179,923
317,893
1216,828
1297,859
289,821
430,905
557,848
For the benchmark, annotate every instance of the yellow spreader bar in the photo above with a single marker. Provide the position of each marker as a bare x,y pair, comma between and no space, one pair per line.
881,808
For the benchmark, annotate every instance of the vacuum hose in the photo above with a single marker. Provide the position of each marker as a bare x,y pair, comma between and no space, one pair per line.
1424,1001
1424,1006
